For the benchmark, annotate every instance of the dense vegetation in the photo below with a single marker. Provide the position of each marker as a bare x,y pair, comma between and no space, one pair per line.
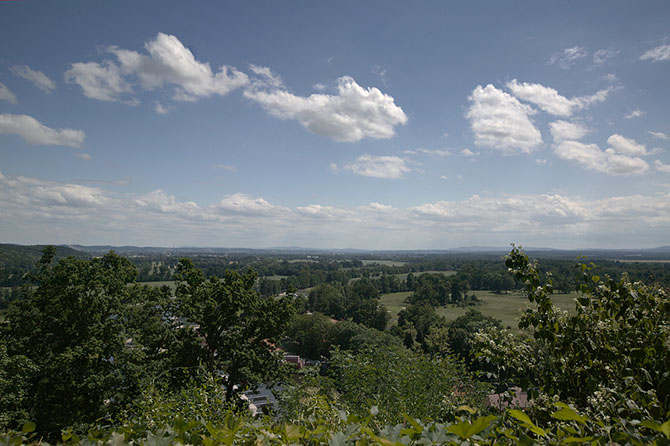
89,355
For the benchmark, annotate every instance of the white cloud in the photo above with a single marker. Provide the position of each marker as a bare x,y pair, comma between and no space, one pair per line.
610,77
568,57
550,101
351,115
603,56
40,211
660,53
661,167
101,82
501,122
429,152
613,161
659,135
564,130
39,79
266,77
626,146
389,167
444,177
84,156
162,109
6,94
541,161
333,167
168,62
244,204
34,132
634,114
469,153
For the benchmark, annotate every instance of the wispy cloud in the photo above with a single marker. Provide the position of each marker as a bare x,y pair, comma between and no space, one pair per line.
659,135
568,57
604,56
634,114
6,94
553,103
657,54
36,77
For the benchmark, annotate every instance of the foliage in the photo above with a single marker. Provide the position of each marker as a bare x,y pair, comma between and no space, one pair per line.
239,328
400,381
70,328
315,335
612,357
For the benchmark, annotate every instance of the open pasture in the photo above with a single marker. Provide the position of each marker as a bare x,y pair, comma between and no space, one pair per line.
505,307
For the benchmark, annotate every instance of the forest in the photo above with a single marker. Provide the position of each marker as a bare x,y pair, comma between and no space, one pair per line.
88,355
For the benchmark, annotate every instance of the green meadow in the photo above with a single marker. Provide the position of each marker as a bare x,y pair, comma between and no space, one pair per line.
505,307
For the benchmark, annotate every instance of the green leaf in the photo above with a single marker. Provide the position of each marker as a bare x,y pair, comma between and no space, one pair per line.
465,429
577,439
569,415
520,416
28,427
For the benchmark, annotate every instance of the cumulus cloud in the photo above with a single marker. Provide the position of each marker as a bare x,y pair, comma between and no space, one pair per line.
38,79
661,167
568,57
469,153
170,62
499,121
6,94
73,213
550,101
34,132
601,57
634,114
564,130
626,146
659,135
166,62
352,114
389,167
658,54
616,160
98,81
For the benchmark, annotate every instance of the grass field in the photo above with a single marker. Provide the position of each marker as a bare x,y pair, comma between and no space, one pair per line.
383,262
505,307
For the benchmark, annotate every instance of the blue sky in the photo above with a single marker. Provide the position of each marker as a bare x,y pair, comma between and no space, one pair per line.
379,125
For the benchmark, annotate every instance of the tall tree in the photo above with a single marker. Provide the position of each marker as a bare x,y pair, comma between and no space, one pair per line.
238,327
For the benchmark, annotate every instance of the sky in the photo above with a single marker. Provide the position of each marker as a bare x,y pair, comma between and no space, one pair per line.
348,124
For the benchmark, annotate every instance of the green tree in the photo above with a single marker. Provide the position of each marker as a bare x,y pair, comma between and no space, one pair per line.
238,328
70,329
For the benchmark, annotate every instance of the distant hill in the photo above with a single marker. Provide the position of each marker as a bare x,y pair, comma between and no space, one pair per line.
15,260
